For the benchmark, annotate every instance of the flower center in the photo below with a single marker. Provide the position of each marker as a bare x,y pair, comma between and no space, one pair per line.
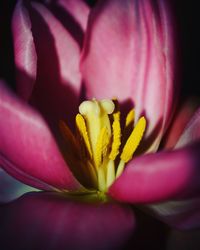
101,147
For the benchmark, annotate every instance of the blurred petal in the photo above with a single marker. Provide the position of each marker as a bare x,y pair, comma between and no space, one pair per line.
181,119
161,176
10,188
129,54
27,148
51,221
180,214
24,50
191,132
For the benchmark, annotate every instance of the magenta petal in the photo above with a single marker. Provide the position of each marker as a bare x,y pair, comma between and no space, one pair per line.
157,177
50,221
24,50
10,188
56,91
27,148
180,122
129,54
191,132
78,9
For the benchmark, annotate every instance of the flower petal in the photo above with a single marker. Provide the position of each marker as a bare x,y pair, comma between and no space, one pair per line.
27,148
58,76
129,54
180,121
158,177
78,9
180,214
24,50
51,221
191,132
10,188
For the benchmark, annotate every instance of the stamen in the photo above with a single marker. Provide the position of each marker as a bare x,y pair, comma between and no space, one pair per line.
133,140
101,152
130,118
116,130
101,147
80,123
110,173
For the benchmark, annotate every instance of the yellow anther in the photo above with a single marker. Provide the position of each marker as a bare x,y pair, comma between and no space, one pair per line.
101,147
116,131
133,140
80,123
130,118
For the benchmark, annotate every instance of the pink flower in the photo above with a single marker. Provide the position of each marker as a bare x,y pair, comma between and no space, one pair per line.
125,50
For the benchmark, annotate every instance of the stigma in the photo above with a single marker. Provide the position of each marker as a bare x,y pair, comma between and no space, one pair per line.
101,146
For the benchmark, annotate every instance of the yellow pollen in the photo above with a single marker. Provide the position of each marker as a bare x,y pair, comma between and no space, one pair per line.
101,147
80,123
102,154
133,140
116,136
130,118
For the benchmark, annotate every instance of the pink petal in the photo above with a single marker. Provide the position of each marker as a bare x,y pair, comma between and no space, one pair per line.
181,118
24,50
73,14
51,221
78,9
158,177
58,80
129,54
27,149
192,131
10,188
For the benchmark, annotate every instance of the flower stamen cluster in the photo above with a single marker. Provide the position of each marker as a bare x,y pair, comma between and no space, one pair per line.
102,146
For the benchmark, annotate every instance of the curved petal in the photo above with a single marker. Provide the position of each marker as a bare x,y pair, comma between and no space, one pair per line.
129,54
184,113
161,176
27,148
50,221
10,188
191,133
78,9
58,77
73,14
24,50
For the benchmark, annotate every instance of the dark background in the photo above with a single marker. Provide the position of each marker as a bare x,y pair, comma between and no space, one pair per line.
186,14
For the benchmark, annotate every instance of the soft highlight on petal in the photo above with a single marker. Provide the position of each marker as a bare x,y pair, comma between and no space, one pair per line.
58,76
27,148
24,50
129,54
